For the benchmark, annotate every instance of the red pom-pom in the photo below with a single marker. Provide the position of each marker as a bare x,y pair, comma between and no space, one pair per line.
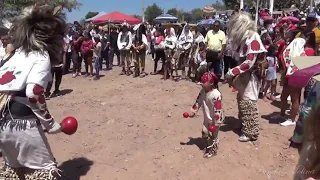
69,125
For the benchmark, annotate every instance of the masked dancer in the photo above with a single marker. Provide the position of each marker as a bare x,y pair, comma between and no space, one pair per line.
39,42
184,43
247,76
198,38
170,45
140,46
124,44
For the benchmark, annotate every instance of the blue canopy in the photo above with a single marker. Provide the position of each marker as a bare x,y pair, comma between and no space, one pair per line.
96,16
166,18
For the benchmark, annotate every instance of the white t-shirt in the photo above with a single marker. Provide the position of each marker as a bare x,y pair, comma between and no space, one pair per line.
2,51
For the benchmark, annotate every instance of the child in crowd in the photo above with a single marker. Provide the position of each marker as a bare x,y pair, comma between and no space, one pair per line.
87,51
200,61
271,72
210,100
159,49
97,56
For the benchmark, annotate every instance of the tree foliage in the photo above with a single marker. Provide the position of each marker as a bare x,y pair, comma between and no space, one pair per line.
218,5
91,14
231,4
173,12
11,8
152,12
136,16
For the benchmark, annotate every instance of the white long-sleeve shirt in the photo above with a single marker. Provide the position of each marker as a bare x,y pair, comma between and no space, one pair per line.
124,45
211,105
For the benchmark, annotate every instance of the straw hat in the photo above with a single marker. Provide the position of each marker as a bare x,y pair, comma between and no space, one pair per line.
309,67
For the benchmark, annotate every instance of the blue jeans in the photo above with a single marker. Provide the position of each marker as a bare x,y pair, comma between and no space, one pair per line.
97,65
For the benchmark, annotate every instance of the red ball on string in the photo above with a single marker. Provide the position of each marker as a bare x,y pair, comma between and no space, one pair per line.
185,114
212,128
69,125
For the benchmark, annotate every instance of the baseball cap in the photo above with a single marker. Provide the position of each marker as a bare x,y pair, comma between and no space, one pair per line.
311,17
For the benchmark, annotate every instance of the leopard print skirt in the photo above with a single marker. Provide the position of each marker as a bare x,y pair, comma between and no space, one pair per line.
248,115
210,139
9,173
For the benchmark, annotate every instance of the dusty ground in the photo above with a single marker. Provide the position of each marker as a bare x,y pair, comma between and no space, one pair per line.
134,129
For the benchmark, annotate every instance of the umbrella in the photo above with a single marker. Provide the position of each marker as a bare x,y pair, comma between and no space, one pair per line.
208,9
291,18
267,18
166,18
211,21
116,17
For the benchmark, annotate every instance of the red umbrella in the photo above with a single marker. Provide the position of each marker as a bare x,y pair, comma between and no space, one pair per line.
267,18
117,17
291,18
209,9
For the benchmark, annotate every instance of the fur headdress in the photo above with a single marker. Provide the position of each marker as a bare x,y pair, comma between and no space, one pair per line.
39,28
239,27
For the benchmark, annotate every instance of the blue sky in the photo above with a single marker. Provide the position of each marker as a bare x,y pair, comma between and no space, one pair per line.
132,6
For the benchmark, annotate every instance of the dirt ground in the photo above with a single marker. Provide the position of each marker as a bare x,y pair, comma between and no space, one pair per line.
133,129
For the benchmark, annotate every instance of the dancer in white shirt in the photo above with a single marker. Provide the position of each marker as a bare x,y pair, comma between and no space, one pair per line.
247,76
23,78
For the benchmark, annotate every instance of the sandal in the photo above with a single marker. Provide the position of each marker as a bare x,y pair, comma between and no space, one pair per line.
209,152
153,73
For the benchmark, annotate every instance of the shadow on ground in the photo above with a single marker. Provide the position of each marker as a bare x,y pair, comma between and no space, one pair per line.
62,93
271,119
231,124
73,169
194,141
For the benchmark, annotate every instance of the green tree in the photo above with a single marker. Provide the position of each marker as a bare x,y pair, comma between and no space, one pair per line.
231,4
173,12
197,14
187,17
218,5
136,16
91,14
13,7
152,12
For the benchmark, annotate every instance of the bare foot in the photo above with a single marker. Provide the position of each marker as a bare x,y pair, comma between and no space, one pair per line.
265,99
272,98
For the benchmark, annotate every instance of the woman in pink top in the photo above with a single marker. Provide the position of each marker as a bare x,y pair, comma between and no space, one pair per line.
87,51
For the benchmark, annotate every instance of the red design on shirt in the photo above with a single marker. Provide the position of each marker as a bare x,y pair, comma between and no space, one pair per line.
287,53
255,45
217,117
33,100
217,105
250,57
7,77
42,99
244,67
235,71
38,90
303,54
294,69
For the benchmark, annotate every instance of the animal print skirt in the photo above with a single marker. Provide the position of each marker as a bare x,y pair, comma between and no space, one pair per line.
211,141
8,173
248,115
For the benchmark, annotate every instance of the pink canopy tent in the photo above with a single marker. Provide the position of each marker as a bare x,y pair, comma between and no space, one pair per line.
116,17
